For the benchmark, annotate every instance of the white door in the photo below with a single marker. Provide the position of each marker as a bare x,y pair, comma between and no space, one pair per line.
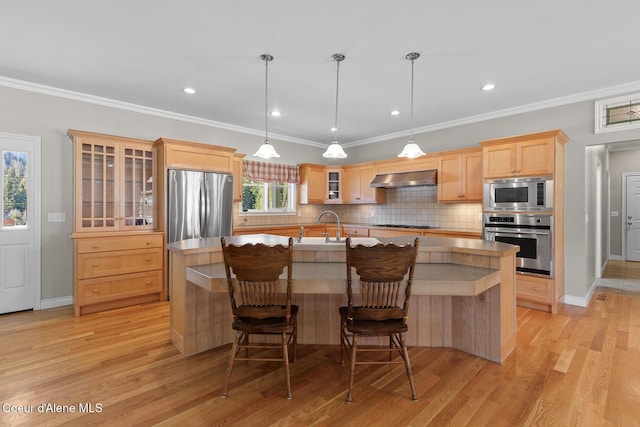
20,227
632,221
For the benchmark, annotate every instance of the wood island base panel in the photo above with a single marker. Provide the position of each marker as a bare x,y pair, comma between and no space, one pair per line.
463,294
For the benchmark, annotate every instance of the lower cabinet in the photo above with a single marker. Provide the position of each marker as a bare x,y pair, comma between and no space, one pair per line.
112,271
536,292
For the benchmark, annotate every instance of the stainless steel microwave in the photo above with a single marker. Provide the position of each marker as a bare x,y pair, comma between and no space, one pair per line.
519,194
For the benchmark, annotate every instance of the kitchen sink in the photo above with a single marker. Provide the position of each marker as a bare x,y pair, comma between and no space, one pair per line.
368,241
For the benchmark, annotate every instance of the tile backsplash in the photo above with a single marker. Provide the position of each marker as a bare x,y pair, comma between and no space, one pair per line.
408,206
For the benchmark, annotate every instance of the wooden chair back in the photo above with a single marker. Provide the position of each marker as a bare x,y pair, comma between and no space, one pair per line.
382,269
253,275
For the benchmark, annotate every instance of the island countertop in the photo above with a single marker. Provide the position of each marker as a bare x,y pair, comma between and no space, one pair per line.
463,294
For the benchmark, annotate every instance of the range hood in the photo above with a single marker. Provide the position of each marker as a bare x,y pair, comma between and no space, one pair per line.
405,179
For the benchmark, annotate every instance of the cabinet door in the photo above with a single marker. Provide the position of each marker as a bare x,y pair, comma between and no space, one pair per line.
351,185
472,176
449,178
535,157
237,177
367,193
312,184
96,185
136,187
499,160
334,185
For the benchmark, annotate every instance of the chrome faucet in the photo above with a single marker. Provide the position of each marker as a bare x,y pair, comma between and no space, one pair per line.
337,219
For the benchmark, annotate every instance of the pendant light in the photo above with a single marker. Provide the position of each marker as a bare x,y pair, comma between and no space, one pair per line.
335,151
266,150
411,150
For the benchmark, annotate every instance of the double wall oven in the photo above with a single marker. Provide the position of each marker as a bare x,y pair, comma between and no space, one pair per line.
518,211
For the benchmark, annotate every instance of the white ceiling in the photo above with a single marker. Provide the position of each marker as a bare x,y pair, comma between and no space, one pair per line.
144,52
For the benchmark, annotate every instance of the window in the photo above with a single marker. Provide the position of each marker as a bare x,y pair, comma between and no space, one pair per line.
271,197
619,113
14,189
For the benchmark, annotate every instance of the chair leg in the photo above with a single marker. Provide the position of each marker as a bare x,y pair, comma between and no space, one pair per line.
405,356
232,358
285,358
352,368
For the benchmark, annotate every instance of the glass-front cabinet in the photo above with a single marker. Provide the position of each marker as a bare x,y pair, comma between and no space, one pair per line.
334,185
113,183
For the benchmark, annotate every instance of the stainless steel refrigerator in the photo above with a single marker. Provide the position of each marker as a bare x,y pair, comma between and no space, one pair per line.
200,204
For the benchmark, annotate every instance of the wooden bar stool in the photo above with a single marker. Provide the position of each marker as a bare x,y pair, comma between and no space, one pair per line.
253,278
382,307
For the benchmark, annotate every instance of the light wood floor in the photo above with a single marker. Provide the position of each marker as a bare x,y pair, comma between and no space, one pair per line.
580,367
622,277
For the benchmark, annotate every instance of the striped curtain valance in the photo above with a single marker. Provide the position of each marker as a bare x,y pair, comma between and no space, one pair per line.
270,172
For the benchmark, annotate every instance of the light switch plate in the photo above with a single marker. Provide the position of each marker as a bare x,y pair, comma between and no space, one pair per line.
56,217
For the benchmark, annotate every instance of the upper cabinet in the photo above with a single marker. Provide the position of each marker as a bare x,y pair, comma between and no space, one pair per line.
525,155
312,184
333,180
237,177
460,176
428,162
356,184
113,183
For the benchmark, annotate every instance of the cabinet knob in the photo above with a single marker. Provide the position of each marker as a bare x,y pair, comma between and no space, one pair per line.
96,246
148,282
148,243
95,291
535,288
148,259
96,264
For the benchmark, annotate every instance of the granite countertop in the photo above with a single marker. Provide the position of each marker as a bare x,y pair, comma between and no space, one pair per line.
426,243
437,230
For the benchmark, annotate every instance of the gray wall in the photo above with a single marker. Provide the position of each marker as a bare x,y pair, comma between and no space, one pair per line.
49,117
620,162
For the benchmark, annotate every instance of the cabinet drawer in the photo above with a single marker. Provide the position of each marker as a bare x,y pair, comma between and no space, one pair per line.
392,233
355,231
534,288
94,291
118,262
119,243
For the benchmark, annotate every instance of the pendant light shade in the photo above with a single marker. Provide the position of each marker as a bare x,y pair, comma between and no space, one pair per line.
411,150
335,151
266,150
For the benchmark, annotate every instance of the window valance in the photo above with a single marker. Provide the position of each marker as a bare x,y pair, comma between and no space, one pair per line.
270,172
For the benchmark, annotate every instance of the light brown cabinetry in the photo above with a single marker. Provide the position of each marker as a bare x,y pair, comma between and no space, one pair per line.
237,177
116,270
333,179
428,162
539,154
356,180
312,184
353,231
460,176
113,183
117,257
519,156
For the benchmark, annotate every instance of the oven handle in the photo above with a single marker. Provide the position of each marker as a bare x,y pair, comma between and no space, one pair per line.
504,232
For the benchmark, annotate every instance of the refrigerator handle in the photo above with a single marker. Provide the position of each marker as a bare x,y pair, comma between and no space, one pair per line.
204,205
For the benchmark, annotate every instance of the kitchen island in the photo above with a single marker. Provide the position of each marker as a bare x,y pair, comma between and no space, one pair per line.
463,294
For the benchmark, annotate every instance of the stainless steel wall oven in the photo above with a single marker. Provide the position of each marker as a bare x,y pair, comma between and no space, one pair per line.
532,232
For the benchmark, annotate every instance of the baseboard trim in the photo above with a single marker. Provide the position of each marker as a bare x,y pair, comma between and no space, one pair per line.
582,301
615,257
56,302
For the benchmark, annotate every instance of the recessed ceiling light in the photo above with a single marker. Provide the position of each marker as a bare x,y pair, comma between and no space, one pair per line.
189,90
488,86
395,112
276,113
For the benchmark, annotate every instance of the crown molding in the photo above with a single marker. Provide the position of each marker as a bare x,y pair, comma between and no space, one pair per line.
556,102
106,102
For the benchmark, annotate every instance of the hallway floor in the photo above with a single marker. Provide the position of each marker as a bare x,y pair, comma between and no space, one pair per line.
621,277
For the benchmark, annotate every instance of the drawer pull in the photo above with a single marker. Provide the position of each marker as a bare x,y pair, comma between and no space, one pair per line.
96,246
149,282
535,288
95,291
96,264
148,259
148,243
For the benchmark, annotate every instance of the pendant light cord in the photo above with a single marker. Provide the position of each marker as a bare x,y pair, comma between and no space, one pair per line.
335,121
267,58
411,115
